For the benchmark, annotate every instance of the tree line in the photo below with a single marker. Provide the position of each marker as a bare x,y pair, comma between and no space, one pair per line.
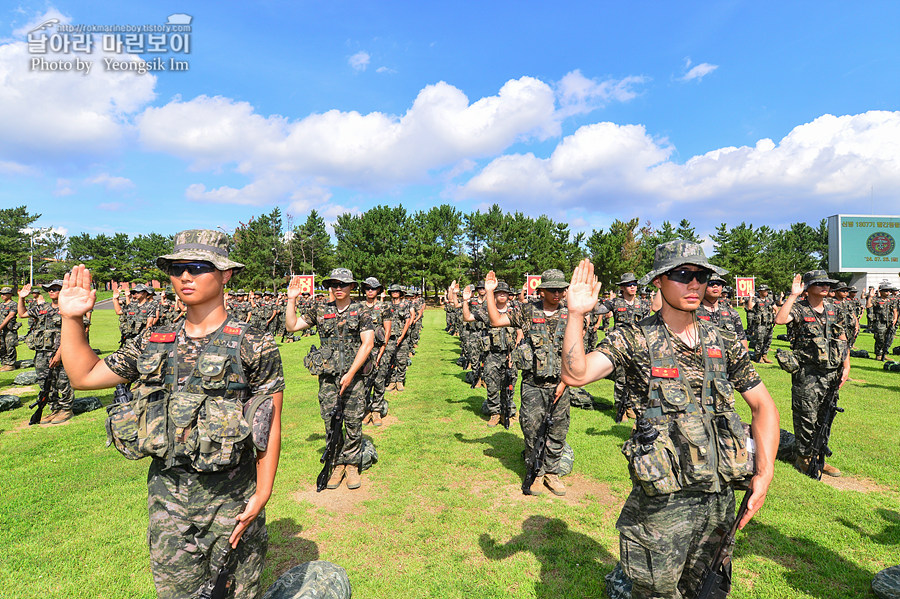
427,248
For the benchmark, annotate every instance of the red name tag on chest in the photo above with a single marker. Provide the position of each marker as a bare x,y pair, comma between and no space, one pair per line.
809,319
564,315
327,316
713,352
621,309
42,312
353,313
703,317
664,373
538,320
232,330
724,313
830,313
163,337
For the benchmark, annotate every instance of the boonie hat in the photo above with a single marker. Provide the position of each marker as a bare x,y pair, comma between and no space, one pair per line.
818,277
679,252
53,283
553,279
502,286
627,278
395,287
200,244
341,275
372,283
6,291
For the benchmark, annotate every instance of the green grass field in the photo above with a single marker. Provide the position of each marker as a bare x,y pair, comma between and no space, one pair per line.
441,514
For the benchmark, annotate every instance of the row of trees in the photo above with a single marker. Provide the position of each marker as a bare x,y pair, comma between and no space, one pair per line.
429,247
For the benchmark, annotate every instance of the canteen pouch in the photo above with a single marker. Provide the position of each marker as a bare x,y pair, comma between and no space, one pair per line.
523,357
546,362
787,360
655,467
259,412
314,361
122,430
184,409
734,459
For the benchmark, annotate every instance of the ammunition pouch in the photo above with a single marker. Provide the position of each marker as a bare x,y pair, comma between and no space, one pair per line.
787,360
546,360
654,466
523,357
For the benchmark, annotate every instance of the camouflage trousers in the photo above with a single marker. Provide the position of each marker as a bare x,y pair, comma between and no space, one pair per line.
495,365
665,542
191,517
884,338
381,374
8,342
401,360
354,408
536,401
808,388
763,339
415,330
61,392
464,334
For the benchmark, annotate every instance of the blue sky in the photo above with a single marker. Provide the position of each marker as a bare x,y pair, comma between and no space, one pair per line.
763,112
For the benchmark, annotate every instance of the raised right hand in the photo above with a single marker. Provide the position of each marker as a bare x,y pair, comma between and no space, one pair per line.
797,285
25,290
584,289
490,281
76,298
293,290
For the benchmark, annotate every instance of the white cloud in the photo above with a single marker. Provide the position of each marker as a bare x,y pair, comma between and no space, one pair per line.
111,183
579,95
63,188
359,61
387,70
621,171
50,116
698,72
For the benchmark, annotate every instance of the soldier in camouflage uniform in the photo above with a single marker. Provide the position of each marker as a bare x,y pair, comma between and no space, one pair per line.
9,326
883,320
402,319
820,346
688,451
47,357
717,311
347,336
763,308
858,307
499,343
211,477
847,310
140,313
538,356
381,314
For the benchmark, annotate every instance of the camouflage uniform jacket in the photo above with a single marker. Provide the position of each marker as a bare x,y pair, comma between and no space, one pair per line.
725,317
339,331
883,311
625,313
815,339
539,353
6,308
380,312
497,339
763,310
47,326
474,304
687,394
399,316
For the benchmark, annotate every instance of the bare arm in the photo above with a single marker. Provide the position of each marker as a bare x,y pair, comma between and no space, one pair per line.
578,369
21,312
765,428
291,322
783,316
497,319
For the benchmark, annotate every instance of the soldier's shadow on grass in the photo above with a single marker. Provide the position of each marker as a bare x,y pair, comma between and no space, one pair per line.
505,447
809,567
471,403
617,430
889,536
287,547
571,563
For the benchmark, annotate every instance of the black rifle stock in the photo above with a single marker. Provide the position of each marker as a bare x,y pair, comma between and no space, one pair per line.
42,401
717,576
820,449
539,451
220,584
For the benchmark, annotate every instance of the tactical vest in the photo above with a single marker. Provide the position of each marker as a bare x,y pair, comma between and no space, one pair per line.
702,445
540,348
763,311
47,329
400,316
377,311
339,334
720,317
625,313
882,311
207,423
814,340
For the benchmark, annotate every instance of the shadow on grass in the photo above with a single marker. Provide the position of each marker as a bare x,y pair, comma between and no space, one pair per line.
809,567
889,536
472,403
287,548
506,448
618,431
568,559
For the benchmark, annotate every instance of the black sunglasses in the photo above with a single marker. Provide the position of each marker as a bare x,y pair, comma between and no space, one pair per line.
684,276
338,285
177,269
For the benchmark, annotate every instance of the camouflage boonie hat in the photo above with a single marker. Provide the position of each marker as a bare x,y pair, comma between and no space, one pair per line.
479,284
395,287
886,286
818,277
372,283
6,291
553,279
341,275
53,283
408,292
141,287
627,278
201,244
679,252
716,278
502,286
36,290
763,287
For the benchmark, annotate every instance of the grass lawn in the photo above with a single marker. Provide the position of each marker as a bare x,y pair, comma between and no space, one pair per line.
441,514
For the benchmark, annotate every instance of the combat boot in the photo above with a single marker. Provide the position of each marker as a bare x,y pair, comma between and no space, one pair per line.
49,417
802,463
555,485
62,416
765,359
494,420
400,386
7,368
368,418
353,480
337,476
376,418
537,487
831,470
392,387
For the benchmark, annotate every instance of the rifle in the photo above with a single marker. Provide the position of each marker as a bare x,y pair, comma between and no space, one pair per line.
220,584
820,439
506,395
539,451
334,443
477,370
43,400
717,576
